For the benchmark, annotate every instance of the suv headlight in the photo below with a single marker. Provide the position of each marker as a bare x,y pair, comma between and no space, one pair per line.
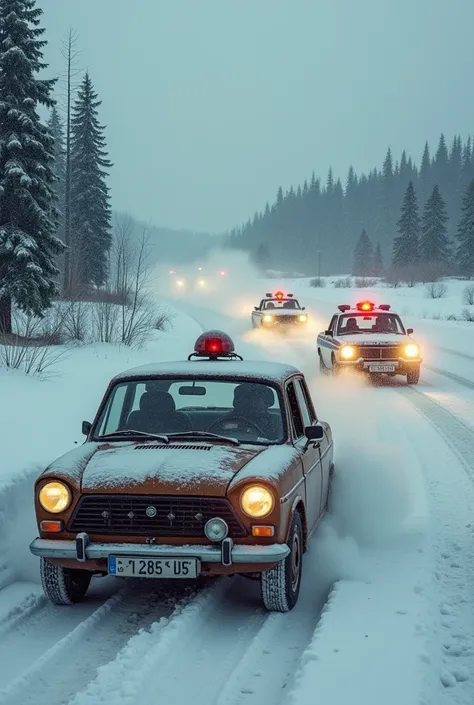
347,352
55,497
256,501
412,350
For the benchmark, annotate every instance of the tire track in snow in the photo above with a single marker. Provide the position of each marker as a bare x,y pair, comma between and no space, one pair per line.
55,675
227,647
451,485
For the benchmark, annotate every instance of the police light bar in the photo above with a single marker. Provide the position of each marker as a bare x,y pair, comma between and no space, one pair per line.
344,307
365,306
279,295
214,344
384,307
289,296
268,294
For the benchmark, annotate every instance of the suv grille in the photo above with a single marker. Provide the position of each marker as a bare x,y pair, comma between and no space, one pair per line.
379,352
126,515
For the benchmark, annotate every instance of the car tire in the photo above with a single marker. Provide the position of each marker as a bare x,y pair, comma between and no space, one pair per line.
322,367
280,586
63,586
413,377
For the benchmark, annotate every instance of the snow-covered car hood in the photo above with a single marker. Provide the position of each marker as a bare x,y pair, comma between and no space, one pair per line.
139,468
375,339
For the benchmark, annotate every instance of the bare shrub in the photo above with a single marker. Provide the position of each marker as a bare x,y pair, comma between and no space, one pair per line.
436,290
105,322
76,321
393,278
30,348
467,315
317,282
364,282
468,295
162,320
345,283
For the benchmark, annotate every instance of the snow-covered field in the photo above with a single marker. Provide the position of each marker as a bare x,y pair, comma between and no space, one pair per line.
386,611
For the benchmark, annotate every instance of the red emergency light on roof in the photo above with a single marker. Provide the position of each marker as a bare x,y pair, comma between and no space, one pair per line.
365,306
214,344
279,295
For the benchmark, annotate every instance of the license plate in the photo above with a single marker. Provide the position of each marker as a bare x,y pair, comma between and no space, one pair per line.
381,368
137,567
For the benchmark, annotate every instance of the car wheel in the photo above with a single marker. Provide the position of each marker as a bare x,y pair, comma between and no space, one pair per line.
413,377
322,367
281,585
64,586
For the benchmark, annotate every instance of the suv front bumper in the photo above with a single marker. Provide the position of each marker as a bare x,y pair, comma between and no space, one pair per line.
226,552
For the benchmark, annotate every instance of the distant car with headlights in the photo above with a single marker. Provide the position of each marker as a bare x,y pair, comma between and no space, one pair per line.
211,466
371,339
276,311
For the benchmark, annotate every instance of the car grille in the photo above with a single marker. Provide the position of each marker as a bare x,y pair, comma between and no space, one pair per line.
175,516
287,319
379,352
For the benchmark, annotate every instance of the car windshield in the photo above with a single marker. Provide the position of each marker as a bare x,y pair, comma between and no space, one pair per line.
281,303
250,412
353,323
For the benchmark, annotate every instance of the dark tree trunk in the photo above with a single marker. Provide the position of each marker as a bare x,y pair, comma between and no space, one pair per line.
6,316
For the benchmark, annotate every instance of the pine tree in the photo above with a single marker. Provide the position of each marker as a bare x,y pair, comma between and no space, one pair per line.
27,212
56,127
465,234
363,256
91,212
434,245
378,262
406,247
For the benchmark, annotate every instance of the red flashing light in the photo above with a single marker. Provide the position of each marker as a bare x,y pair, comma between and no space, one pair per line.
365,306
213,344
279,295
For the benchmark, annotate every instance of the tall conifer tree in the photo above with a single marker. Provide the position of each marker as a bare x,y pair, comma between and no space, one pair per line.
406,247
434,245
91,212
28,241
465,234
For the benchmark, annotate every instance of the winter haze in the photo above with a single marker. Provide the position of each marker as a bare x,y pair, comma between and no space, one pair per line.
211,105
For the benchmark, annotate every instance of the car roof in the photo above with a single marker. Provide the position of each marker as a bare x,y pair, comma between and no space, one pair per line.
353,311
272,372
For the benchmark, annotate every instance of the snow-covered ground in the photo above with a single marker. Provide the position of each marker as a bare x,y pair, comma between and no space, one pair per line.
386,611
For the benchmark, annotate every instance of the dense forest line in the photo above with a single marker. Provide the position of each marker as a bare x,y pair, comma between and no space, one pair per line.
316,228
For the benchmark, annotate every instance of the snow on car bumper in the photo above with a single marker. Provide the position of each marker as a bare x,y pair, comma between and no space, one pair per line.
225,553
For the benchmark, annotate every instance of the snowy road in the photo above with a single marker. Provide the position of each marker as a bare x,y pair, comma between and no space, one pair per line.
387,596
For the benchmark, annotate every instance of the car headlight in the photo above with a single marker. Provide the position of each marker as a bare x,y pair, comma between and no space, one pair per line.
347,352
257,501
55,497
412,350
267,318
180,283
302,318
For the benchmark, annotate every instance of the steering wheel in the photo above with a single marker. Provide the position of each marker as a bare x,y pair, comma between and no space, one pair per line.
238,418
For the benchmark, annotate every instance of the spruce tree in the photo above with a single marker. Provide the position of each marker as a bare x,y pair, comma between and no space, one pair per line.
434,245
56,127
465,234
363,256
91,212
378,262
27,213
406,247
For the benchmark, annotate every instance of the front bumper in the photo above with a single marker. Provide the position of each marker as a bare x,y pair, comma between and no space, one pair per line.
400,365
226,553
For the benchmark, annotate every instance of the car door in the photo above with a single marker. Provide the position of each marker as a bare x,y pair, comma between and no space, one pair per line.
324,444
310,458
257,315
327,347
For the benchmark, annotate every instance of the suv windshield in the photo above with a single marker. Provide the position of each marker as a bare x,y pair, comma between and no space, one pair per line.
353,323
281,303
250,412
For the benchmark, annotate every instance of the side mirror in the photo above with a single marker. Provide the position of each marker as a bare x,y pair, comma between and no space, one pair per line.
409,331
86,427
255,308
303,308
314,433
328,332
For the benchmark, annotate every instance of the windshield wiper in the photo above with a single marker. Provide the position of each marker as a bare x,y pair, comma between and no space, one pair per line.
203,434
132,432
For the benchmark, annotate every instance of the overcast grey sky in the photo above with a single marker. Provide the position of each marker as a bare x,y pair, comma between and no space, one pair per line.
210,105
